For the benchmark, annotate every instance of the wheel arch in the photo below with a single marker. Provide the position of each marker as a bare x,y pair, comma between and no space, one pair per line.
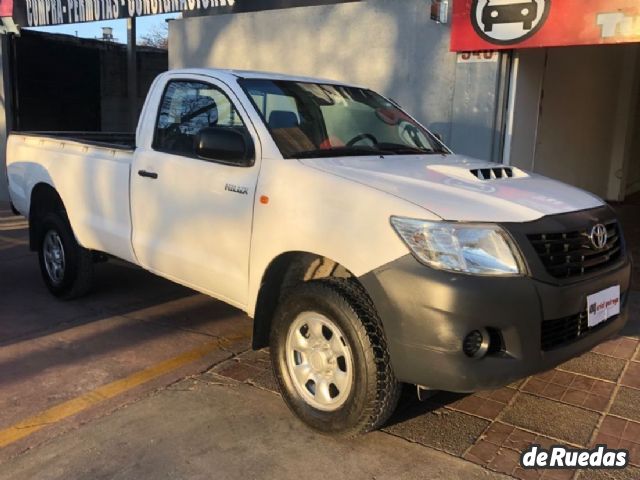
44,199
283,272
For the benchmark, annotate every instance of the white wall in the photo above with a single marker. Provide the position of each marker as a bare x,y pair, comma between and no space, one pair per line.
572,115
390,46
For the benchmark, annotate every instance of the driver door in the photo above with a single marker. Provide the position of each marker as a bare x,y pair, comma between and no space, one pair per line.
189,224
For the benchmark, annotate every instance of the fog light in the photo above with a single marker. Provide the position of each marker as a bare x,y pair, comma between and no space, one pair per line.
476,343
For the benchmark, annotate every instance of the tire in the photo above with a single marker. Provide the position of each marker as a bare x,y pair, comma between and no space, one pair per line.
57,247
351,327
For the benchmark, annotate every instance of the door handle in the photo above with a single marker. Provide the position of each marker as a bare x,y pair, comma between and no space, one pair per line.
145,174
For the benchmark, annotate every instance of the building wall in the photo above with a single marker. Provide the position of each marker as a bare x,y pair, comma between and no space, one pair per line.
579,102
571,115
390,46
476,117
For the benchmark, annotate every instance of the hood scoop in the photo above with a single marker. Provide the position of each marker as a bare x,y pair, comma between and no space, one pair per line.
483,173
492,173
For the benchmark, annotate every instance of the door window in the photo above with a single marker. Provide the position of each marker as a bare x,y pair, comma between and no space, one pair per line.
186,108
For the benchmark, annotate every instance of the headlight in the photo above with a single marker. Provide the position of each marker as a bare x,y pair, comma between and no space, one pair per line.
480,249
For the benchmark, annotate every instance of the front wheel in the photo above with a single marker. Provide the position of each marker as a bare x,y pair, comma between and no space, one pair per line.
66,267
330,358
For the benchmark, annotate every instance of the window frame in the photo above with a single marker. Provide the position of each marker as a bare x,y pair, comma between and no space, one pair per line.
154,141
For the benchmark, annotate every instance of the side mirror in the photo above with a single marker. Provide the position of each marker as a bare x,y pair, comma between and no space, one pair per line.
438,136
225,145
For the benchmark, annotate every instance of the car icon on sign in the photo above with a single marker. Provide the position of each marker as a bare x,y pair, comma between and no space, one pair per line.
497,12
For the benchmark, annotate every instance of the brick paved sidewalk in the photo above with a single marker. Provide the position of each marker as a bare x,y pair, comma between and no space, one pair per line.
589,400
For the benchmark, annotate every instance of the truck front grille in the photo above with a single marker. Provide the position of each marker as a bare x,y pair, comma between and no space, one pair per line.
559,332
572,254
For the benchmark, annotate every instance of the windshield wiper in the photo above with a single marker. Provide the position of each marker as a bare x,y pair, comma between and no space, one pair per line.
339,152
401,149
378,149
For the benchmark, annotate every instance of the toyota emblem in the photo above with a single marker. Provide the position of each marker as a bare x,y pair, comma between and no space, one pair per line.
599,236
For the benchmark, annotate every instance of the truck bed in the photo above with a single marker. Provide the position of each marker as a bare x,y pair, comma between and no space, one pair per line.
90,171
115,140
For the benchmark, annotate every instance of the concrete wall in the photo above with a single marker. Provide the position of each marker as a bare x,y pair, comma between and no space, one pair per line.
390,46
477,108
575,132
572,113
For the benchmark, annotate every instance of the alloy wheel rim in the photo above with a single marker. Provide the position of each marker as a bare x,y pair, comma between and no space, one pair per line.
320,361
54,258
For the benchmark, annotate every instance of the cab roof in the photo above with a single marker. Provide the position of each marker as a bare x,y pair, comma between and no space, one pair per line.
225,73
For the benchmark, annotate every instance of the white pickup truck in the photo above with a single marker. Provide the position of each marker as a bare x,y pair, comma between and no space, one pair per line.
368,254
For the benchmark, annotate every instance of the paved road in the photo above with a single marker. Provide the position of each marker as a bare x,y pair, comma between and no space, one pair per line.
63,363
212,427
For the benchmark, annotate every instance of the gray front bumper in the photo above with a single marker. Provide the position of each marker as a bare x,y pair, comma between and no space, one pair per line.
426,314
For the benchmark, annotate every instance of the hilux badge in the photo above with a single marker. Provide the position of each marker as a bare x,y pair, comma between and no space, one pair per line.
599,236
236,189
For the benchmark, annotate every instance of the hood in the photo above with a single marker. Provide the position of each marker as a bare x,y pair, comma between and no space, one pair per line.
460,188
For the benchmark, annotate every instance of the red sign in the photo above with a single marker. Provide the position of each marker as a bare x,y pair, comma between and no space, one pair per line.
506,24
6,8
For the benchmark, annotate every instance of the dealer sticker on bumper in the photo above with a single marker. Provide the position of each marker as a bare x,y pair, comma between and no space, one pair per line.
603,305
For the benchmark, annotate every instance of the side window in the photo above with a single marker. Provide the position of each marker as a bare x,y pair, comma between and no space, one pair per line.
188,107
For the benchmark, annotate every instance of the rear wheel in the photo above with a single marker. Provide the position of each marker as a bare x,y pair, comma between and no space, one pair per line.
330,358
66,267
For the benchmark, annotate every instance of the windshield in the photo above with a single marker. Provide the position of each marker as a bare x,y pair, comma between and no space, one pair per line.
310,120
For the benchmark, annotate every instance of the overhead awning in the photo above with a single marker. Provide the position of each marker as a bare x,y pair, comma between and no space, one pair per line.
507,24
40,13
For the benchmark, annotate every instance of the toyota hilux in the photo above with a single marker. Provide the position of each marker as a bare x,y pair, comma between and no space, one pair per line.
368,254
